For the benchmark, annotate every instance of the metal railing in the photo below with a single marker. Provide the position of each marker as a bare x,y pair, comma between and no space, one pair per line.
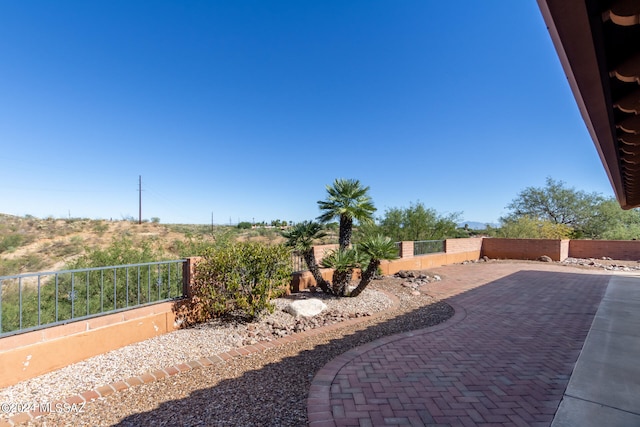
39,300
298,262
423,247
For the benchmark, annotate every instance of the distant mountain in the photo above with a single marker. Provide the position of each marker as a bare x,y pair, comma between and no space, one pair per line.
475,225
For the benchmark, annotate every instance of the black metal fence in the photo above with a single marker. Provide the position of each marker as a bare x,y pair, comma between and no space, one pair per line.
298,262
423,247
38,300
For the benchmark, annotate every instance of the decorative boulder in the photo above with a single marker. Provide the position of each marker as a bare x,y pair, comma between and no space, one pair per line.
545,258
306,308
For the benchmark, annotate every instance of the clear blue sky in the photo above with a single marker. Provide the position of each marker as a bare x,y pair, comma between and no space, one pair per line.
247,109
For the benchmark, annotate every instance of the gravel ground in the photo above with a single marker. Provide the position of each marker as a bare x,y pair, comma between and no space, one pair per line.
267,389
186,345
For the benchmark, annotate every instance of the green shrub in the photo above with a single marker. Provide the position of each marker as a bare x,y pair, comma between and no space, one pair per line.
244,225
240,279
100,227
10,242
121,251
30,263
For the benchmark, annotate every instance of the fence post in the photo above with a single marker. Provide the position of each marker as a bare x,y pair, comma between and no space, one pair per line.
406,249
188,271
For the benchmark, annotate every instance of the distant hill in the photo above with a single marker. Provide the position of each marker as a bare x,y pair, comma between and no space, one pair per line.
475,225
30,244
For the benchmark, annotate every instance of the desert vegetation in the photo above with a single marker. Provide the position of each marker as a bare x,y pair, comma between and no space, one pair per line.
238,279
30,244
557,211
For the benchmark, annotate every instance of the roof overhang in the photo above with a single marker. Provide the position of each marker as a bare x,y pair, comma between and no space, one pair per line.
598,43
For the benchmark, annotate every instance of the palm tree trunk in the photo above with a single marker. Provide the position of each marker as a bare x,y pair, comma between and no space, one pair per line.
340,281
346,227
367,277
312,265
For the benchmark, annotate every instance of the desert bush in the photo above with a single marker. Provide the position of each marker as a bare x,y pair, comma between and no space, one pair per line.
192,246
99,227
120,252
240,279
244,225
526,227
10,242
29,262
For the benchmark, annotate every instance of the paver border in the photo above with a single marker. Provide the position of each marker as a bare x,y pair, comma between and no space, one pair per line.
319,413
85,397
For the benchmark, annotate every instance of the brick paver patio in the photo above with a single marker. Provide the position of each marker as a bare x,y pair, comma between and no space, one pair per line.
504,359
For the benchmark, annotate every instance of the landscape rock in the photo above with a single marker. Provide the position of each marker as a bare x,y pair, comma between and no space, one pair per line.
414,280
545,258
306,308
404,274
593,263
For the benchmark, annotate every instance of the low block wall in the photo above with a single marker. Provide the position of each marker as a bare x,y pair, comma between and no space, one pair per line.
471,245
628,250
424,262
456,250
527,249
302,280
35,353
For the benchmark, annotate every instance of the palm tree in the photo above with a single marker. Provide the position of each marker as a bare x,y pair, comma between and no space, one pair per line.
376,249
301,237
349,201
343,261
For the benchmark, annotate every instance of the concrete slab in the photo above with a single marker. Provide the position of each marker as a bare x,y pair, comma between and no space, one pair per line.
577,412
604,388
621,317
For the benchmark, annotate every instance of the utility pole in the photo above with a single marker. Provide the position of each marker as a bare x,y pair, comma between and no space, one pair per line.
139,199
211,222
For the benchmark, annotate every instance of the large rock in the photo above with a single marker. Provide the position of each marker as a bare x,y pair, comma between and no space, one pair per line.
306,307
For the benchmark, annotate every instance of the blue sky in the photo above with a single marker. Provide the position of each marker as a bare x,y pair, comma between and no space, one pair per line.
247,109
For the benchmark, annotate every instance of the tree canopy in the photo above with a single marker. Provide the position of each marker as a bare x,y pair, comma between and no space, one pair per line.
557,211
418,223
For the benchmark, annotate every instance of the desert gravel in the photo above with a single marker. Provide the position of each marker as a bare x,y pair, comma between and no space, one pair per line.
268,388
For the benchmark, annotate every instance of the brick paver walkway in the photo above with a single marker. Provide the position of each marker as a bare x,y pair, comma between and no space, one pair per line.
504,359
